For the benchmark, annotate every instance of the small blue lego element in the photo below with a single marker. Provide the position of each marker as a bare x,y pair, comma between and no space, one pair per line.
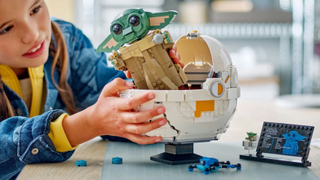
116,160
208,165
81,163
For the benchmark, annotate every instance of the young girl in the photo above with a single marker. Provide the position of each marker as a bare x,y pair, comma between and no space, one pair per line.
48,68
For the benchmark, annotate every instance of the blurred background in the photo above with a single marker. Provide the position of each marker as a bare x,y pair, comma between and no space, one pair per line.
275,44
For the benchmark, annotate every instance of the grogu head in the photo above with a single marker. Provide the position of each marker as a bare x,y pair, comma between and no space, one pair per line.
132,25
293,136
251,134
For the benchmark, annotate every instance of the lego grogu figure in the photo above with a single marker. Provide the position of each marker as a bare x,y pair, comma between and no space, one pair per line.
251,136
251,142
138,45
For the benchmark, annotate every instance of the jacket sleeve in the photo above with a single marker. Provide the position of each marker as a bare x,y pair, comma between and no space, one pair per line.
25,141
89,71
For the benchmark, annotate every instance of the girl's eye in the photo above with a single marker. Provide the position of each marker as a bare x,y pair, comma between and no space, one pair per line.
35,10
6,30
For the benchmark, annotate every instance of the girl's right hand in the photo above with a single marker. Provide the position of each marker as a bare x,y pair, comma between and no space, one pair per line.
112,115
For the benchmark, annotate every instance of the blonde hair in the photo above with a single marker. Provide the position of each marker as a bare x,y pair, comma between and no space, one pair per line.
60,61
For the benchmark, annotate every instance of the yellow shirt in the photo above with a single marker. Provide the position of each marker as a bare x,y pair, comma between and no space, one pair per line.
56,134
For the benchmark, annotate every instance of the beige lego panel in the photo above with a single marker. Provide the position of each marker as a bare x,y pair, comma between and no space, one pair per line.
193,50
149,62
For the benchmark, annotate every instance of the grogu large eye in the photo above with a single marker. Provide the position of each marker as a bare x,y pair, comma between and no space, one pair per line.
134,20
117,28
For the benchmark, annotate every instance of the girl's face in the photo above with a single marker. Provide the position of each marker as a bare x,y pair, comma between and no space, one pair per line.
25,33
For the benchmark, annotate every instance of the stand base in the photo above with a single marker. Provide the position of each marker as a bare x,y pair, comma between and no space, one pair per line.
176,159
276,161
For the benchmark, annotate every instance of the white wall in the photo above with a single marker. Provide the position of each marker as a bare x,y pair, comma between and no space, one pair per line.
63,9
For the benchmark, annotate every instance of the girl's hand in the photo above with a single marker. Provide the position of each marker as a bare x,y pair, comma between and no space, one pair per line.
174,55
112,115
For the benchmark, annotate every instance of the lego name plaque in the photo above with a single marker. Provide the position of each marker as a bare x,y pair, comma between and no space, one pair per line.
283,139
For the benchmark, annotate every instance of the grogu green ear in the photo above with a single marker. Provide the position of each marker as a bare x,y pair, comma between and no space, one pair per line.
108,45
161,19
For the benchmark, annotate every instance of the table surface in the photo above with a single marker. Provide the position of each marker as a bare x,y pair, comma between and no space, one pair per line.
249,116
137,165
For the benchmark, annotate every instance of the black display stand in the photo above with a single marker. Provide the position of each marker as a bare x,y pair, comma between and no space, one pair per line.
283,139
276,161
177,154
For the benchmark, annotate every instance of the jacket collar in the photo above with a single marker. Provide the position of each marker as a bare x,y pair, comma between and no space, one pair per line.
36,77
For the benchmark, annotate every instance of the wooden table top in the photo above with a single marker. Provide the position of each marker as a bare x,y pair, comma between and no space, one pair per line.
249,117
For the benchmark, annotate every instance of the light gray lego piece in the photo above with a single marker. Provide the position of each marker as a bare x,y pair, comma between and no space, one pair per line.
138,166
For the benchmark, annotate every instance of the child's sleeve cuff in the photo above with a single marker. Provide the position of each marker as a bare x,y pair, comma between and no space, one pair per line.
58,136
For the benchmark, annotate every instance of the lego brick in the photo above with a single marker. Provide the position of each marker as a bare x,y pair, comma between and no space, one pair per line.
200,95
234,77
81,163
167,46
166,81
179,148
136,53
149,62
160,96
182,75
123,50
233,93
177,81
157,70
126,56
132,63
132,47
249,145
199,137
150,81
196,77
177,96
144,44
141,85
171,72
117,160
204,106
166,132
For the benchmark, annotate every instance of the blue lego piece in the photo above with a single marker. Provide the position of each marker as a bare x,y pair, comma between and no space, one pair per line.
116,160
81,163
208,165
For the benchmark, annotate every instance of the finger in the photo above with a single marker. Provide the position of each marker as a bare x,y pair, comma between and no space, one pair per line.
128,74
181,64
144,127
177,54
143,116
172,53
176,59
115,86
143,139
130,103
174,47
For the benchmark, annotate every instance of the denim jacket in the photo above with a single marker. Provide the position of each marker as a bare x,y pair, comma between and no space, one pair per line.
25,140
